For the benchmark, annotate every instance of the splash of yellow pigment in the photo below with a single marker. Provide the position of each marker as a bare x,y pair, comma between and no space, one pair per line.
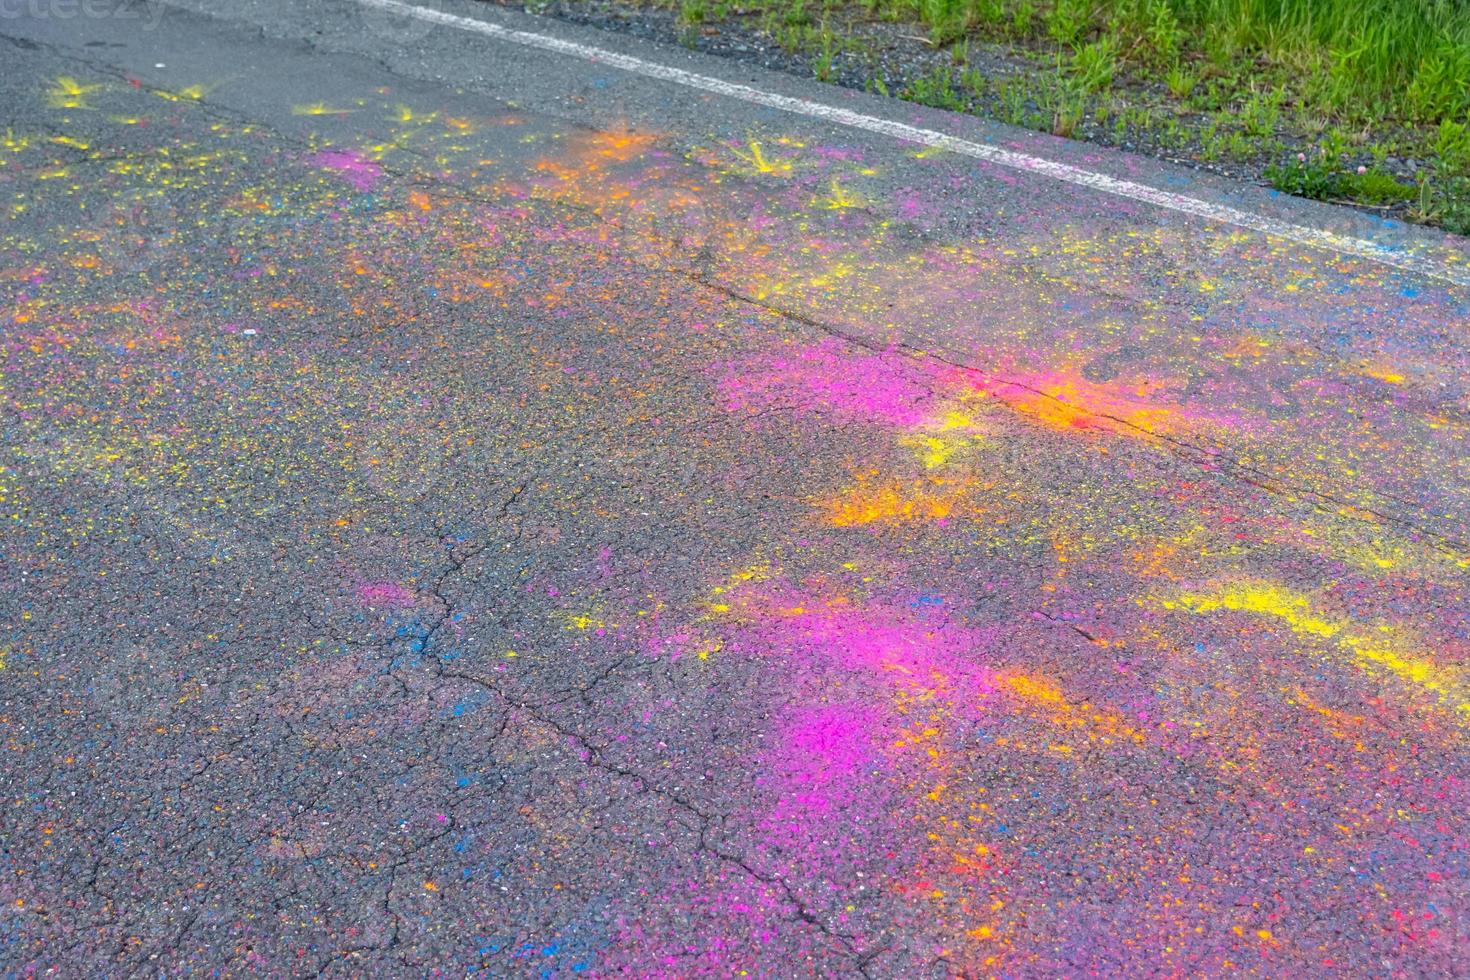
190,93
318,109
953,433
932,499
68,93
762,164
1295,609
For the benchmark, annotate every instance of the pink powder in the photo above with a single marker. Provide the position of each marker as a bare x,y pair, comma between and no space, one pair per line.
828,377
355,168
817,763
878,640
384,594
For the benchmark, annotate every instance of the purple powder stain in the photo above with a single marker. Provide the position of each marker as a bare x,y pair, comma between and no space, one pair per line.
820,759
384,594
353,167
826,377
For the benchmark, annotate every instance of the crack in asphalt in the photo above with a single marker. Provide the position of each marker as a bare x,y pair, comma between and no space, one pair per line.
1213,459
1197,455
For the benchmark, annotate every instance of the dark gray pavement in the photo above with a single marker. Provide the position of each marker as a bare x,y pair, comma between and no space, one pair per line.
466,508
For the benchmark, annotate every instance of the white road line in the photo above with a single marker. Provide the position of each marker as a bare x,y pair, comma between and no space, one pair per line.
1314,237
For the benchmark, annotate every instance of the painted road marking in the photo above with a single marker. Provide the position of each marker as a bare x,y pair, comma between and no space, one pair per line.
1314,237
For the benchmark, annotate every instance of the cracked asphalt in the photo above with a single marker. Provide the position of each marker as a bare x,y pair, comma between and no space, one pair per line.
466,510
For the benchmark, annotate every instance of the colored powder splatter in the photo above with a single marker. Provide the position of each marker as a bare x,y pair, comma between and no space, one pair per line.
888,644
818,760
1065,400
353,167
385,594
872,501
942,440
1295,609
826,377
1094,723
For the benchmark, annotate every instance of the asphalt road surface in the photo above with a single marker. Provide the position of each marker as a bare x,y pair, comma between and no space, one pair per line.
470,504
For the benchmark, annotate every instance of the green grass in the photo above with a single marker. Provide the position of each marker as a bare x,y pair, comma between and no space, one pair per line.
1446,202
1358,81
1094,64
1326,178
1355,60
936,89
1362,59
